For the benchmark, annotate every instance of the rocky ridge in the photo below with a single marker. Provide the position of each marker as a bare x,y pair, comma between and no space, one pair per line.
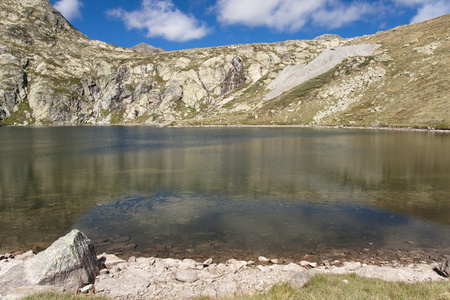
51,74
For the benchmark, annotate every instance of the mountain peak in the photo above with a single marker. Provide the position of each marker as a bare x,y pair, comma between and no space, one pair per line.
146,48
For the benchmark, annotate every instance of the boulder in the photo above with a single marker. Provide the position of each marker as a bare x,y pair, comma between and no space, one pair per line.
70,263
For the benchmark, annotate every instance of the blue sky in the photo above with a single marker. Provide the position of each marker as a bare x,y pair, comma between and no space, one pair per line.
177,24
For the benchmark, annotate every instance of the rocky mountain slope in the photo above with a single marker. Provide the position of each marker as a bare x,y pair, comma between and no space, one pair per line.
51,74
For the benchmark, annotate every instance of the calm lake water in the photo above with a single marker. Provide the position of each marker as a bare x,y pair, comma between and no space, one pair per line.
200,192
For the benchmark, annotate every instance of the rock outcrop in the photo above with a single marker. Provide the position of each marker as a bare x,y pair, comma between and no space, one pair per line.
235,77
69,263
51,74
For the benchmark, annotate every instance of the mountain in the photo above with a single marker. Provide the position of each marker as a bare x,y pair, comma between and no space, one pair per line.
51,74
146,48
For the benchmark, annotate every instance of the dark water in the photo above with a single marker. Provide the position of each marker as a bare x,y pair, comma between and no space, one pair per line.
188,192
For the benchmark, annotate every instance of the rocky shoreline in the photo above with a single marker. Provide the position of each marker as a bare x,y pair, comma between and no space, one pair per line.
71,264
390,128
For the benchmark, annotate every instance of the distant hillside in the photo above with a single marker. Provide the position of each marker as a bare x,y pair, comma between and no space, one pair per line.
51,74
146,48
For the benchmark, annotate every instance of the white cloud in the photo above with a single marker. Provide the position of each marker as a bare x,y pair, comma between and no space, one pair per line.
426,9
70,9
160,18
290,15
341,14
431,10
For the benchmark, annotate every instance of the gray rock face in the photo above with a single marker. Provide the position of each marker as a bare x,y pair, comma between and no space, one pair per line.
235,77
70,263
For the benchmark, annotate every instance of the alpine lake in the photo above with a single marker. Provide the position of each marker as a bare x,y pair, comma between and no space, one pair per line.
228,192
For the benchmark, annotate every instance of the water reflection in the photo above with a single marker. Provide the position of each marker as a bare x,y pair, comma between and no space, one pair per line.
249,189
174,223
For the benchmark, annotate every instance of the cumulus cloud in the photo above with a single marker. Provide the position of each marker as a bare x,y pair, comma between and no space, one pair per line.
431,10
160,18
289,15
426,9
340,14
70,9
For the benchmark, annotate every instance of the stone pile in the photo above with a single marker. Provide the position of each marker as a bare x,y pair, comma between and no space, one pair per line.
175,279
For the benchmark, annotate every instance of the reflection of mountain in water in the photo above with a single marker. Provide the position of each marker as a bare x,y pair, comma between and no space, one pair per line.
173,223
51,176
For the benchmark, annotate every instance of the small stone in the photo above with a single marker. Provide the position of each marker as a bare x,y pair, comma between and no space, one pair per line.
304,263
187,264
109,260
312,265
236,265
336,262
186,275
263,259
208,262
351,265
132,259
87,289
275,261
345,281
